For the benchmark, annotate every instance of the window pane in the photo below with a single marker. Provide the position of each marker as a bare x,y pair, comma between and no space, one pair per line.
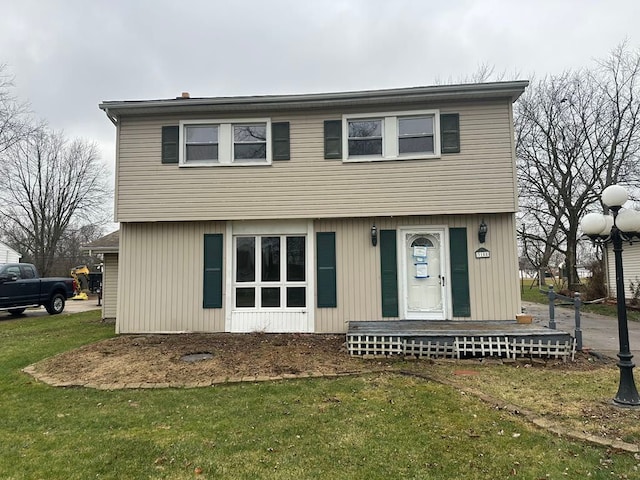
245,259
245,297
365,147
296,296
250,151
270,297
202,134
416,125
13,271
27,272
365,128
270,259
250,133
295,259
416,145
202,152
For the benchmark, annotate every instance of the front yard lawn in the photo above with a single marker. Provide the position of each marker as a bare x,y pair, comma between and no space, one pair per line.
382,425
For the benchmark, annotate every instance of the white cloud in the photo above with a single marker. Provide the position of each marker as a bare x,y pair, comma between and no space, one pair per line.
68,55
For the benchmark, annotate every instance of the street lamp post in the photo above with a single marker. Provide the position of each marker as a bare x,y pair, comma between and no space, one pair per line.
621,225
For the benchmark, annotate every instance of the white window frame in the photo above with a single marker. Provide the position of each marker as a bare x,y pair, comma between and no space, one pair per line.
225,143
390,135
251,161
382,131
303,319
217,143
257,284
400,136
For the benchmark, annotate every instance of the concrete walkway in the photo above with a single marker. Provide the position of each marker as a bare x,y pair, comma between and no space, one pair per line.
599,332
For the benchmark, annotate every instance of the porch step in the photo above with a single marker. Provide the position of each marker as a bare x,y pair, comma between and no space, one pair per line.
457,340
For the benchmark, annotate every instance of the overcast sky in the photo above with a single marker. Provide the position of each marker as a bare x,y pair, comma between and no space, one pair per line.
68,56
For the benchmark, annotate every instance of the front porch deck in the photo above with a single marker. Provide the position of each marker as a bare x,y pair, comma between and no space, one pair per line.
457,339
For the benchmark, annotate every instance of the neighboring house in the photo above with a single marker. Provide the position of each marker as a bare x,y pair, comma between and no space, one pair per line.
8,254
630,268
301,213
107,247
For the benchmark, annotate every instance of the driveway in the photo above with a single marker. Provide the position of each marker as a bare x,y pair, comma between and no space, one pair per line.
72,306
599,332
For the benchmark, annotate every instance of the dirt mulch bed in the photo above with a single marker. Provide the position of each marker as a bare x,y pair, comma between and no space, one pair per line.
130,360
158,359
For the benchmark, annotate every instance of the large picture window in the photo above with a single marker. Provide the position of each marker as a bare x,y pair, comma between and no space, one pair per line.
270,272
391,136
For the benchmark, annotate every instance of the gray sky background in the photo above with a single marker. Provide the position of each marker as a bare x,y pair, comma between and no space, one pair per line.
68,56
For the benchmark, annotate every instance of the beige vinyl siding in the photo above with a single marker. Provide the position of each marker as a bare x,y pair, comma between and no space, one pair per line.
109,285
630,268
160,278
493,282
478,179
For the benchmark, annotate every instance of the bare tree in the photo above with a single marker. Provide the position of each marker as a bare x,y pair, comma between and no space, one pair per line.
70,253
576,133
15,121
484,72
50,183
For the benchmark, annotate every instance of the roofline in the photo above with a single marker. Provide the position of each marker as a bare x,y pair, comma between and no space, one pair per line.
511,90
100,249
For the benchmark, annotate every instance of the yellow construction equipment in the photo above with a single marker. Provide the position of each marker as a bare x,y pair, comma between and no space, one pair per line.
80,276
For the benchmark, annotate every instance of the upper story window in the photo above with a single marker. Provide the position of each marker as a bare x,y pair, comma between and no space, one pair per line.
224,142
201,142
391,136
250,142
365,137
415,135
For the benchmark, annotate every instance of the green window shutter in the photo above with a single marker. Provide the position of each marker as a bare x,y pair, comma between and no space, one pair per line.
213,251
326,269
332,139
170,137
459,272
389,273
450,133
280,140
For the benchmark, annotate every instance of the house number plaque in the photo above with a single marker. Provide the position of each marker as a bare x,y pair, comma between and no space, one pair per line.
483,253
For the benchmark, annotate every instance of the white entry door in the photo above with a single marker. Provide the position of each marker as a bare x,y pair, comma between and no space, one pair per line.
424,272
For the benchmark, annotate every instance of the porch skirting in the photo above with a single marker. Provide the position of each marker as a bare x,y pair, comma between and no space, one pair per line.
433,339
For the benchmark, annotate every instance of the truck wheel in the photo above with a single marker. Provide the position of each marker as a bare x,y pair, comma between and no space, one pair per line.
16,311
56,304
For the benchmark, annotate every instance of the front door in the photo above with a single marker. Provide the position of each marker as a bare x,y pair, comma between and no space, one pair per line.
424,274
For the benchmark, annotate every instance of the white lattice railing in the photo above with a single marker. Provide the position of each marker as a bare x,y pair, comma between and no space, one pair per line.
473,346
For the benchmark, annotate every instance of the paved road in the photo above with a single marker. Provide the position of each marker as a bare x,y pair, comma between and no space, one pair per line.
599,332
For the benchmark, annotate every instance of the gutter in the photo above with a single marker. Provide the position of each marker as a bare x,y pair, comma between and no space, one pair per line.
113,118
511,90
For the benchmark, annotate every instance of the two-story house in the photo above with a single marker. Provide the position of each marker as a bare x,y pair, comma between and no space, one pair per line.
301,213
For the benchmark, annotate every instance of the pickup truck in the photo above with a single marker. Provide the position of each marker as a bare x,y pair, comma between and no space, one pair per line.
21,287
